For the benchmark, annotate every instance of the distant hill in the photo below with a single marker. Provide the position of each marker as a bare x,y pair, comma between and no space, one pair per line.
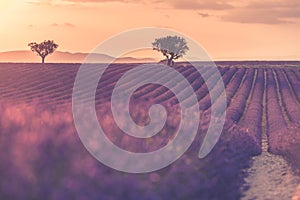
66,57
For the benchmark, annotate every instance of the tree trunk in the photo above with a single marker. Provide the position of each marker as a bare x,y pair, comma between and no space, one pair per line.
169,62
43,60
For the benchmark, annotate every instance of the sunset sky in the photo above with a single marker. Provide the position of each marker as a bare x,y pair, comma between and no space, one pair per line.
237,29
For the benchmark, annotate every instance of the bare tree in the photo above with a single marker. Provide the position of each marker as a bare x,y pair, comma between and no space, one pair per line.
172,47
43,49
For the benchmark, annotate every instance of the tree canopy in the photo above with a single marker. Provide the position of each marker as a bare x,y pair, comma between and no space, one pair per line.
172,47
43,49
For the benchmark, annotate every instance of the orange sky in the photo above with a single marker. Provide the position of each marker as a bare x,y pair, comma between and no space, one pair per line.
236,29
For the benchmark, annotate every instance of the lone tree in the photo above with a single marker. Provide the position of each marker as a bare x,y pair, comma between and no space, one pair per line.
172,47
44,48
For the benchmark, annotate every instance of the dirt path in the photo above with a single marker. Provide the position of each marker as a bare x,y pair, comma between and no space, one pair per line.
269,177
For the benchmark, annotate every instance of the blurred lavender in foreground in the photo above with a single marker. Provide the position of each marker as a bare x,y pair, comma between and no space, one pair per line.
42,157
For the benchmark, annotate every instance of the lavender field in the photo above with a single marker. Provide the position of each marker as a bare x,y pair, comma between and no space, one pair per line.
42,157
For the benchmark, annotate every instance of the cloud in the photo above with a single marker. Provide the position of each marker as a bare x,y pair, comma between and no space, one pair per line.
200,4
274,4
245,11
88,1
174,4
265,12
54,25
254,17
40,3
66,24
102,1
204,15
69,25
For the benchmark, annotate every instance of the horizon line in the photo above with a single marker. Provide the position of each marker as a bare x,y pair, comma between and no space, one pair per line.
218,59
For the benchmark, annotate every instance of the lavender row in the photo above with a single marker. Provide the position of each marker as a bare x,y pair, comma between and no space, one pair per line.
106,88
234,84
275,118
44,82
197,83
215,92
165,95
227,77
161,94
295,82
289,102
252,118
219,102
238,102
204,95
152,90
296,71
286,141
